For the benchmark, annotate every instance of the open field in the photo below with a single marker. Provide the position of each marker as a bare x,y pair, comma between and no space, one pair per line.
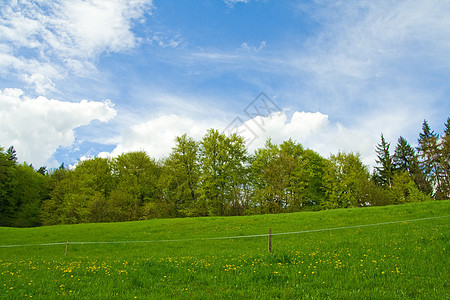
393,260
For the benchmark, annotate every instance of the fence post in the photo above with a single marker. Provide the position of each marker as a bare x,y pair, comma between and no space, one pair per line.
67,247
270,240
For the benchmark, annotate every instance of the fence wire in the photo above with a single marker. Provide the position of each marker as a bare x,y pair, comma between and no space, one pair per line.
227,237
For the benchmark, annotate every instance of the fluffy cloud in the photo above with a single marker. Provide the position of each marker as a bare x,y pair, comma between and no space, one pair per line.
37,127
156,136
312,130
65,34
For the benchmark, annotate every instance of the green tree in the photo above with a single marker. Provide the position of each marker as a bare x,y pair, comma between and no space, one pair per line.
52,208
223,173
274,169
405,159
263,194
42,170
405,190
312,171
22,191
96,183
137,177
444,160
429,158
346,179
180,176
384,171
12,154
287,177
69,199
30,190
80,195
7,170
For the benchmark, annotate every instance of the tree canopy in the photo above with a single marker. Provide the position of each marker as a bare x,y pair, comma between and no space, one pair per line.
216,176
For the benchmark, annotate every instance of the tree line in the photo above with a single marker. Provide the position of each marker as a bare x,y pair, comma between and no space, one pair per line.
216,176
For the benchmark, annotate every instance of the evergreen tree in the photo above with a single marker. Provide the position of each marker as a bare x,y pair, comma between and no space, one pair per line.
405,159
42,170
444,161
429,158
12,154
384,170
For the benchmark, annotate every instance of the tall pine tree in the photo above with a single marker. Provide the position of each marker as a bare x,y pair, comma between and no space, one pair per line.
444,160
384,171
405,159
429,158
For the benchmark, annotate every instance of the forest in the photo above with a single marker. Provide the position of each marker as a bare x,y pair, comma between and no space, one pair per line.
216,176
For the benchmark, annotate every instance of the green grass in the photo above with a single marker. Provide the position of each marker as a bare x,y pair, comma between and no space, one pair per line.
391,261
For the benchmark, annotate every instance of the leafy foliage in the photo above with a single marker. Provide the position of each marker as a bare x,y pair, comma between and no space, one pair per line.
217,176
22,191
345,182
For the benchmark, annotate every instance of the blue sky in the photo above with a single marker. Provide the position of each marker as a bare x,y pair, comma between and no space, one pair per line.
86,78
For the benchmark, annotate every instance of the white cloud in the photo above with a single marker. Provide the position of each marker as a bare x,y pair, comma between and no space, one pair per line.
72,28
317,132
96,26
40,82
312,130
165,41
377,38
376,66
246,47
232,3
37,127
302,127
36,74
65,35
156,136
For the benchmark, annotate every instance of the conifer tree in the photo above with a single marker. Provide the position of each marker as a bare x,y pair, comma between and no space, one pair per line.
445,160
384,170
429,158
405,159
12,154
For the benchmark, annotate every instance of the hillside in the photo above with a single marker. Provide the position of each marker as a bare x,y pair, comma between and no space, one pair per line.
361,252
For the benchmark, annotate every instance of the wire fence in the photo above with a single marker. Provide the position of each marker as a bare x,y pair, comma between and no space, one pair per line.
226,237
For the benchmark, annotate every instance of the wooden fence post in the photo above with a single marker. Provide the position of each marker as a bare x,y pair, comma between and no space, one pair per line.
270,240
67,247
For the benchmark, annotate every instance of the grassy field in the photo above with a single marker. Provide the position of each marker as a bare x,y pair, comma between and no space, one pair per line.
396,260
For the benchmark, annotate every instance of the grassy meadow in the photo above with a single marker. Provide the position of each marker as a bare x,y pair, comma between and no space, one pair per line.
180,260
